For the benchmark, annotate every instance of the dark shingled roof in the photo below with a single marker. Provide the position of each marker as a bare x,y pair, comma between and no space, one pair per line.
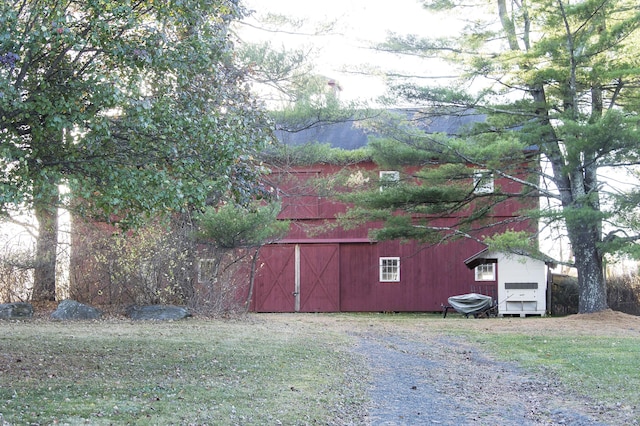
351,135
344,134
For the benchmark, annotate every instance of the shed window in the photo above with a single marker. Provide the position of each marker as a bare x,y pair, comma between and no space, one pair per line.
389,269
482,182
486,272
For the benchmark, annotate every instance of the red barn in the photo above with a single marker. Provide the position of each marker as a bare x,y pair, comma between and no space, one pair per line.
334,270
322,268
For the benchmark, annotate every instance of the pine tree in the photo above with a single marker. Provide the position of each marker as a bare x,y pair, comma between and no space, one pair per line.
557,83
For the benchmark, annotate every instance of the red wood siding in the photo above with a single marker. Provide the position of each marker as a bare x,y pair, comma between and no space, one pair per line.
339,269
296,190
345,277
428,276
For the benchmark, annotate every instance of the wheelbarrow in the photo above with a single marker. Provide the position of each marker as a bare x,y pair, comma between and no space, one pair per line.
478,305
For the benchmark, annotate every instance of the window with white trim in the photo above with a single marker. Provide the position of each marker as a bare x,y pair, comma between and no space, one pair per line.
482,182
486,272
388,178
389,269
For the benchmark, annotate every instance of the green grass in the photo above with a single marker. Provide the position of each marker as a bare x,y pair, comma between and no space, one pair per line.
191,372
282,369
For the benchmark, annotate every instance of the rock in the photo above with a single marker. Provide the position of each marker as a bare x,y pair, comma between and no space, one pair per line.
16,310
157,312
72,310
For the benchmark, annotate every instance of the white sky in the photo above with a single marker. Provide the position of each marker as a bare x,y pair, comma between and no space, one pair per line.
358,23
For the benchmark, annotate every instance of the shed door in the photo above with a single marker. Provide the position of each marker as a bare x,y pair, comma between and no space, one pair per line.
298,278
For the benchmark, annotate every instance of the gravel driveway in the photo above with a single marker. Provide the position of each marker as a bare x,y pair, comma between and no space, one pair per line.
444,381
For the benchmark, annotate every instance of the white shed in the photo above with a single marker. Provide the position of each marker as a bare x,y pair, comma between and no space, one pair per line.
521,282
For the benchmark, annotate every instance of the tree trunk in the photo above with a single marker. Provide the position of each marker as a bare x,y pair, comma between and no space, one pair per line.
592,291
44,275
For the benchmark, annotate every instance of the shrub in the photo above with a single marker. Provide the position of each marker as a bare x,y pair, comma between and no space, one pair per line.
564,295
151,266
166,263
623,294
16,275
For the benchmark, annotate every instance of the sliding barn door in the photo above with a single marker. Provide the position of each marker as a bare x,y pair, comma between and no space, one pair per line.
319,278
274,284
298,278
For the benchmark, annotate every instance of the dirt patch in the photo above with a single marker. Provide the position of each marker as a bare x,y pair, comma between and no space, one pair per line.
605,323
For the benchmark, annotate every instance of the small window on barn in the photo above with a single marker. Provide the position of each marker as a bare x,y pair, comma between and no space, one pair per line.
389,269
206,270
482,182
388,178
486,272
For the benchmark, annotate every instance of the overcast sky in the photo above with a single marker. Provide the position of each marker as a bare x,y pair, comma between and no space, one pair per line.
358,24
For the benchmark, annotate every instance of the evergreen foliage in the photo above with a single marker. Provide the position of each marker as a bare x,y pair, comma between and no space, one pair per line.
313,153
232,226
558,82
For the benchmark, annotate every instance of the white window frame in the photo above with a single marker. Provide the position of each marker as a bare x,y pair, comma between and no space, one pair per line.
485,272
388,177
389,269
483,181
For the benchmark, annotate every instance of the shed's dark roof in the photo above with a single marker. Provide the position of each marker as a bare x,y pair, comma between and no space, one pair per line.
354,134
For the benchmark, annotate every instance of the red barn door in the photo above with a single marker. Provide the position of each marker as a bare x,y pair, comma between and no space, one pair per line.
319,278
298,278
274,283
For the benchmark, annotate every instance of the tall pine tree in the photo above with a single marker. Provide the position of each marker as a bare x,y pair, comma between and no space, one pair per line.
559,83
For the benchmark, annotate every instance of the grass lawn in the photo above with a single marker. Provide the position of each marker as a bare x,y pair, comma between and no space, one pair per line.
272,369
189,372
596,356
606,369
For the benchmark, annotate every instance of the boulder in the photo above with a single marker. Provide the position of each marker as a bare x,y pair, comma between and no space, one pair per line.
16,310
157,312
72,310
